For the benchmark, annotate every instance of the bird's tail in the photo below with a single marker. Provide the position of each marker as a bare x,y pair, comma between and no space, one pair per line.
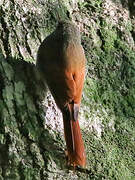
75,146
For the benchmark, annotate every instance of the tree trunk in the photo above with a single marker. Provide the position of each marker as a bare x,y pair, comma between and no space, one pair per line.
31,129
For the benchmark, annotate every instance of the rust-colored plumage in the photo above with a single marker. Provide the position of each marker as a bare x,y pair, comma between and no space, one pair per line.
61,60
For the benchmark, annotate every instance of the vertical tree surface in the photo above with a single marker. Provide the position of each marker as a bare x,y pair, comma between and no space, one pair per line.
31,129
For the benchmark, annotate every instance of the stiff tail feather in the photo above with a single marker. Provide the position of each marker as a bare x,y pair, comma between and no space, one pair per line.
75,146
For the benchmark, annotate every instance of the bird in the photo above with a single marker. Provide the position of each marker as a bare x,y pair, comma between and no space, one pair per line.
61,60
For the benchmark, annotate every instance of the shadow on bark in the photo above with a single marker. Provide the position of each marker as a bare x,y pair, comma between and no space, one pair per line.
25,143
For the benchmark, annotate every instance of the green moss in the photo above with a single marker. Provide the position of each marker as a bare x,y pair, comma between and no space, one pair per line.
31,173
8,70
109,96
110,157
108,101
2,139
90,5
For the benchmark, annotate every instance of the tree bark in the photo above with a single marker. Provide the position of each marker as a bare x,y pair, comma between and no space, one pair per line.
27,148
31,134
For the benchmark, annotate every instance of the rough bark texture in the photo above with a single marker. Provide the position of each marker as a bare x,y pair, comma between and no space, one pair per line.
31,130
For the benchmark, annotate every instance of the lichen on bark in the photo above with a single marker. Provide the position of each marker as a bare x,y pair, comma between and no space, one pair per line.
31,134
